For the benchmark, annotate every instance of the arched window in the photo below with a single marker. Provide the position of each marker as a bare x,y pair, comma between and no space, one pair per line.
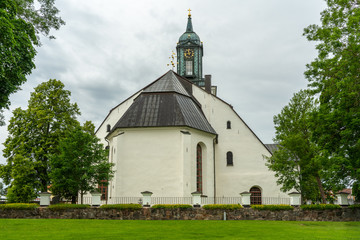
108,128
228,125
198,168
255,197
229,159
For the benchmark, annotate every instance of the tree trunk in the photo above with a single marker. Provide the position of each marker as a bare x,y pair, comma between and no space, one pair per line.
82,196
323,198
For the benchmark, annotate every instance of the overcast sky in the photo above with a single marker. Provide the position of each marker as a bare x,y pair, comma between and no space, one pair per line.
108,50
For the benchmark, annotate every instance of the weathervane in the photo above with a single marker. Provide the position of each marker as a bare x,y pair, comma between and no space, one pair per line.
172,58
189,12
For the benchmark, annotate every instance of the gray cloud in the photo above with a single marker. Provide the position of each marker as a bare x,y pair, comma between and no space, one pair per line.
107,51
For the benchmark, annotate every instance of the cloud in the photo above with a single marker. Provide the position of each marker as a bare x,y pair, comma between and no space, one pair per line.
108,50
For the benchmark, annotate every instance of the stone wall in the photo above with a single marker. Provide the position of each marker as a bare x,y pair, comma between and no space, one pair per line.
344,214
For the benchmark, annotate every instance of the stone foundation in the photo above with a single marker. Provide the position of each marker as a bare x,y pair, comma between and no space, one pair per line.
344,214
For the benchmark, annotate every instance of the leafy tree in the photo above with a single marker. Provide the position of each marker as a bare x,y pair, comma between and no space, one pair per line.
20,24
296,162
81,164
335,76
35,133
22,188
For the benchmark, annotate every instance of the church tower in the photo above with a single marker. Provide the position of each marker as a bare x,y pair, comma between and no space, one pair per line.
189,55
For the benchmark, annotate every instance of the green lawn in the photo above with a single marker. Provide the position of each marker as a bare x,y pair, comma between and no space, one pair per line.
121,229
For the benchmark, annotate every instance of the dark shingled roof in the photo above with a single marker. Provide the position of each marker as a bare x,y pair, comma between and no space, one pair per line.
166,102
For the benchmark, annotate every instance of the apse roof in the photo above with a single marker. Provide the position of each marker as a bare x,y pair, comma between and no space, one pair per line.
167,102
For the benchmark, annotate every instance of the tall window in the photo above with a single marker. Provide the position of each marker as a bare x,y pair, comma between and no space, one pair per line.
198,169
255,197
189,67
228,125
229,159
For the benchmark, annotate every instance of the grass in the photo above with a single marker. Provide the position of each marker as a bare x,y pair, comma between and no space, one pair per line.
121,229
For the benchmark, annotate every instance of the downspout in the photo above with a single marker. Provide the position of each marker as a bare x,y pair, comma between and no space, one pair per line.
109,186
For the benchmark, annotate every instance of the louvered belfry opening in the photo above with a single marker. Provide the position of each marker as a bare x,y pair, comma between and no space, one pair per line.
198,168
255,198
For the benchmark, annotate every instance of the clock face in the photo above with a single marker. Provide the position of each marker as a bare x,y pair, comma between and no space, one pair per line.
189,53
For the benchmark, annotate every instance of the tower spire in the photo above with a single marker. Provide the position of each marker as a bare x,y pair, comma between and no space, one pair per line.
189,27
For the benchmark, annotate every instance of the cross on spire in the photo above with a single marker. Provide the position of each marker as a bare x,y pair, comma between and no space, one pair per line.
189,12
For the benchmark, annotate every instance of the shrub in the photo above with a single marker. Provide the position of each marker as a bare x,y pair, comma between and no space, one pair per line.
171,206
272,207
68,206
354,206
122,206
319,206
223,206
21,206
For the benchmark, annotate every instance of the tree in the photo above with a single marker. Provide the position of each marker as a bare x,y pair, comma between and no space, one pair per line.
20,25
81,165
296,162
334,76
22,187
35,133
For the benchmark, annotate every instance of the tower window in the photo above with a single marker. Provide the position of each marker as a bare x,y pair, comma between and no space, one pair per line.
228,125
229,159
189,67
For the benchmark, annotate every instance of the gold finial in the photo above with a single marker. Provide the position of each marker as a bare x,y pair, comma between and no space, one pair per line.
172,58
189,12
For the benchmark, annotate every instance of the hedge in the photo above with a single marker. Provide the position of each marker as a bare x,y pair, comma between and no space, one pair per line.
21,206
171,206
68,206
272,207
223,206
130,206
354,206
319,206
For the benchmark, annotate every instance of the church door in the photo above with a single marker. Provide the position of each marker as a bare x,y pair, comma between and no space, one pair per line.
255,198
198,169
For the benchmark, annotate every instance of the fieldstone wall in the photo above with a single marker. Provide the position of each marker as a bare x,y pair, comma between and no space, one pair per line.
344,214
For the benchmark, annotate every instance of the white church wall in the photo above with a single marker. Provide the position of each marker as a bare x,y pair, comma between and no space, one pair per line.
206,142
160,160
248,168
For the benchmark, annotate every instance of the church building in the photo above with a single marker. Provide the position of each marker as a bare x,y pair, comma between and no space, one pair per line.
175,137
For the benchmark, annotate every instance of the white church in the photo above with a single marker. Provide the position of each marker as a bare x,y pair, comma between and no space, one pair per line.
175,137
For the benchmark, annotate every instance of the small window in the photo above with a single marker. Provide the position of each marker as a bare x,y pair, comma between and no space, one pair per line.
229,159
108,128
228,125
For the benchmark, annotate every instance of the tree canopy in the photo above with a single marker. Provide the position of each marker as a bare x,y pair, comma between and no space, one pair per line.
35,133
20,25
334,77
81,164
296,162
